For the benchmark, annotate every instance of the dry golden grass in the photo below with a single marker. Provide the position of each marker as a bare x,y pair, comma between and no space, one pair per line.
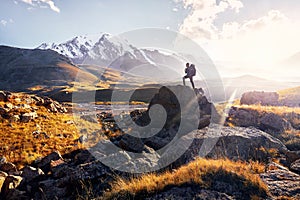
20,144
289,91
279,110
192,173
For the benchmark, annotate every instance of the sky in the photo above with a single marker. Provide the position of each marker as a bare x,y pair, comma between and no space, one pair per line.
241,36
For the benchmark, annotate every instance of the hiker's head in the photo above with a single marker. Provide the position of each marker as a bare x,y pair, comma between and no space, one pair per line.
187,64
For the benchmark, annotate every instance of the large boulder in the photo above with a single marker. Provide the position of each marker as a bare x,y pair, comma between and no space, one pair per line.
243,117
274,123
246,117
262,98
237,143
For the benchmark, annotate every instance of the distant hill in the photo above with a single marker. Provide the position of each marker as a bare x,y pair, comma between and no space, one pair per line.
292,61
26,70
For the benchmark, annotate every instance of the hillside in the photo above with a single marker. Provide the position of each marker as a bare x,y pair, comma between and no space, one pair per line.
39,70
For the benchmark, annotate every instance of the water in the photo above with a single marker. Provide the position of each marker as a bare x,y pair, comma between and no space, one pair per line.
88,108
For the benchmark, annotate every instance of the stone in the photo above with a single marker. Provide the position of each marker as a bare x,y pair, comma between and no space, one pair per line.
274,123
48,189
282,182
156,142
189,192
3,176
8,167
131,143
236,143
11,182
3,96
27,117
15,194
2,160
242,117
295,166
30,173
45,163
262,98
9,106
14,118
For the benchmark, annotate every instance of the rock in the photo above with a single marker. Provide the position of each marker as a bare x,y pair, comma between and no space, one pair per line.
9,106
84,156
274,123
45,163
282,182
290,100
39,135
291,156
11,182
242,117
156,142
189,192
295,166
3,112
8,167
30,173
26,117
237,143
15,194
4,95
89,118
181,102
14,118
2,160
48,189
204,121
51,105
262,98
131,143
3,176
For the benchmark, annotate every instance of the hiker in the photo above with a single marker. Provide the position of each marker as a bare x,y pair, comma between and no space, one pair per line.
190,71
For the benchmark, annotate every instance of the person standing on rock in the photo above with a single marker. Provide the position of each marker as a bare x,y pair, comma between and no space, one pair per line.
190,71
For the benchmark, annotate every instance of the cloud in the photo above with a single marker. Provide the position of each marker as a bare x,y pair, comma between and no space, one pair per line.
3,22
254,45
233,29
41,3
200,22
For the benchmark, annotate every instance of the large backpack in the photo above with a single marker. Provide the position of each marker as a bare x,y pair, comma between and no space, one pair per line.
192,70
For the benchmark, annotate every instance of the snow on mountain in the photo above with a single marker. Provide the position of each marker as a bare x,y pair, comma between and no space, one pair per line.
114,52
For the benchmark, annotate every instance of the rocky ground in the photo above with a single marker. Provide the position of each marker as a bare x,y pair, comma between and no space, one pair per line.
81,173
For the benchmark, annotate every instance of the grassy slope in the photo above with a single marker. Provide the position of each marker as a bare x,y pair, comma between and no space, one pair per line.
202,172
19,143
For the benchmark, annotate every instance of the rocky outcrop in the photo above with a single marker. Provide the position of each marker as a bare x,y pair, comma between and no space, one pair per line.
61,178
295,166
235,143
274,123
262,98
23,108
269,122
281,181
185,109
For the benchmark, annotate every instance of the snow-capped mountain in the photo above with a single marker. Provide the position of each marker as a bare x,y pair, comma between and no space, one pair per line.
114,52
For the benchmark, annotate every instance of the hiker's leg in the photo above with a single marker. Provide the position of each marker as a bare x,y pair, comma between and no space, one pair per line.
183,79
192,82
